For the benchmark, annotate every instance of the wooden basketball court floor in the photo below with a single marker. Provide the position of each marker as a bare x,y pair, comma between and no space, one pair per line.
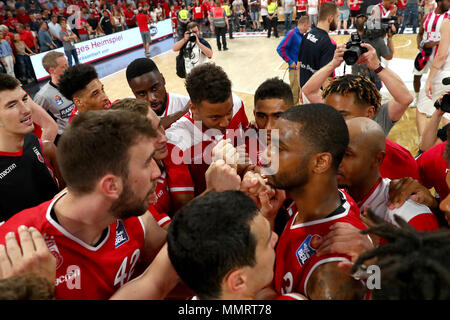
252,60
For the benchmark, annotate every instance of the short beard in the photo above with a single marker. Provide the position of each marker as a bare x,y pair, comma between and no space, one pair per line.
333,26
128,205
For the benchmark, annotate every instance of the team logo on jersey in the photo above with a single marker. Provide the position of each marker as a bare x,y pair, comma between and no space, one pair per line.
307,249
51,244
121,234
38,155
58,100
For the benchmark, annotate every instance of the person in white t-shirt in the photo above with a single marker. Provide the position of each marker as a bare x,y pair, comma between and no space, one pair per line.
264,14
313,12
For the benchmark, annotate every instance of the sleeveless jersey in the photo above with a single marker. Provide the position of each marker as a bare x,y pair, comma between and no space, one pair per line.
85,272
295,253
25,179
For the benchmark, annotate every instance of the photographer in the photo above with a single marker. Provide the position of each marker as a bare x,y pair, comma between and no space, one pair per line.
386,114
382,50
432,135
196,50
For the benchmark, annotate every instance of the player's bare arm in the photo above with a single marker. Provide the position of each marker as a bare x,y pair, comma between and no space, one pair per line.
329,282
155,237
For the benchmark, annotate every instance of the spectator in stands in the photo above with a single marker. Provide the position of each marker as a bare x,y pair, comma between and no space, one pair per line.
6,53
28,38
45,40
55,30
344,14
313,12
34,24
411,13
130,17
105,23
69,39
288,10
143,21
23,16
117,20
254,14
82,26
23,54
272,17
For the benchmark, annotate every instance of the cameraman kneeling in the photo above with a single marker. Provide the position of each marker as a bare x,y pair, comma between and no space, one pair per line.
196,50
382,50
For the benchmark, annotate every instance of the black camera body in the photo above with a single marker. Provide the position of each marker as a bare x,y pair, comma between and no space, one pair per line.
354,49
192,36
445,103
378,28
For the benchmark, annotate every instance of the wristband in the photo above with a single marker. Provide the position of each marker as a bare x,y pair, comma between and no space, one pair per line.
379,69
389,39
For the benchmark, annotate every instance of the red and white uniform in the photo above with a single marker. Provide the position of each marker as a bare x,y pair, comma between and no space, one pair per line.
398,163
433,169
175,102
161,219
84,271
432,29
417,215
296,257
384,13
190,150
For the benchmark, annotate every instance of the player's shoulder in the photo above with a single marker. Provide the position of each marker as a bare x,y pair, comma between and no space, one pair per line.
434,153
181,133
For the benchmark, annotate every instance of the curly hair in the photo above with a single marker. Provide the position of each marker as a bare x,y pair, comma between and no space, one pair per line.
75,79
413,264
208,82
366,93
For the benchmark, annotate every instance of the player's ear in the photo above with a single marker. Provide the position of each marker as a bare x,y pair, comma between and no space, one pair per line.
371,112
380,157
236,281
111,186
321,162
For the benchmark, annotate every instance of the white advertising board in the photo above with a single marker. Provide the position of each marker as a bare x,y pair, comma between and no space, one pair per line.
103,47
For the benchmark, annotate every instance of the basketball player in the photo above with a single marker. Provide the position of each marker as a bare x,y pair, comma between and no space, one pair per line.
359,173
239,241
148,83
26,179
162,206
312,142
99,228
80,84
356,96
215,113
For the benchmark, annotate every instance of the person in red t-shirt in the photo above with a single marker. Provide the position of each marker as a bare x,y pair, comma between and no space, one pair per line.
28,38
130,16
82,26
143,21
23,16
11,22
304,161
166,8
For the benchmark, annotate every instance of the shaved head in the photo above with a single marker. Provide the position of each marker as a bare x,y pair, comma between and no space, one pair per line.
366,134
360,168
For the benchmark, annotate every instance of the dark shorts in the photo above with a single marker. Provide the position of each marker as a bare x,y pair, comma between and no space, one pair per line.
199,21
354,13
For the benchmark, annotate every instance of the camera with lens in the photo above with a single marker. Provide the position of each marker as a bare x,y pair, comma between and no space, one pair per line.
192,36
445,102
354,49
378,28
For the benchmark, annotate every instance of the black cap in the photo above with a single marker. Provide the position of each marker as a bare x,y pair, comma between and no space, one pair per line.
361,15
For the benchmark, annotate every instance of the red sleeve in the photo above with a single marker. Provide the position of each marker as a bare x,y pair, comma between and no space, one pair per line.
425,165
424,222
179,178
161,218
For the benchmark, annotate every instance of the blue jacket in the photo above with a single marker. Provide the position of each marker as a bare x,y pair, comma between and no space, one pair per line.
289,46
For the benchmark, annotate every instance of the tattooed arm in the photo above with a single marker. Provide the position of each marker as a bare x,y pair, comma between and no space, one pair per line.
329,282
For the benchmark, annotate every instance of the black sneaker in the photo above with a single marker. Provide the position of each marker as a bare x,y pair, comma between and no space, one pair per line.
220,49
225,49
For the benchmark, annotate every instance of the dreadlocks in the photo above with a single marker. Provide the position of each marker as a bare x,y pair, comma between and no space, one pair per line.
414,265
366,93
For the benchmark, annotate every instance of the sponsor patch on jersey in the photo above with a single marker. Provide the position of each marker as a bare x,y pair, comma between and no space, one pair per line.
51,244
307,249
58,100
66,112
38,155
121,234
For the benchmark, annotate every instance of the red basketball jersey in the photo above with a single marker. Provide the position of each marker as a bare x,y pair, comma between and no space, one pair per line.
84,271
295,253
